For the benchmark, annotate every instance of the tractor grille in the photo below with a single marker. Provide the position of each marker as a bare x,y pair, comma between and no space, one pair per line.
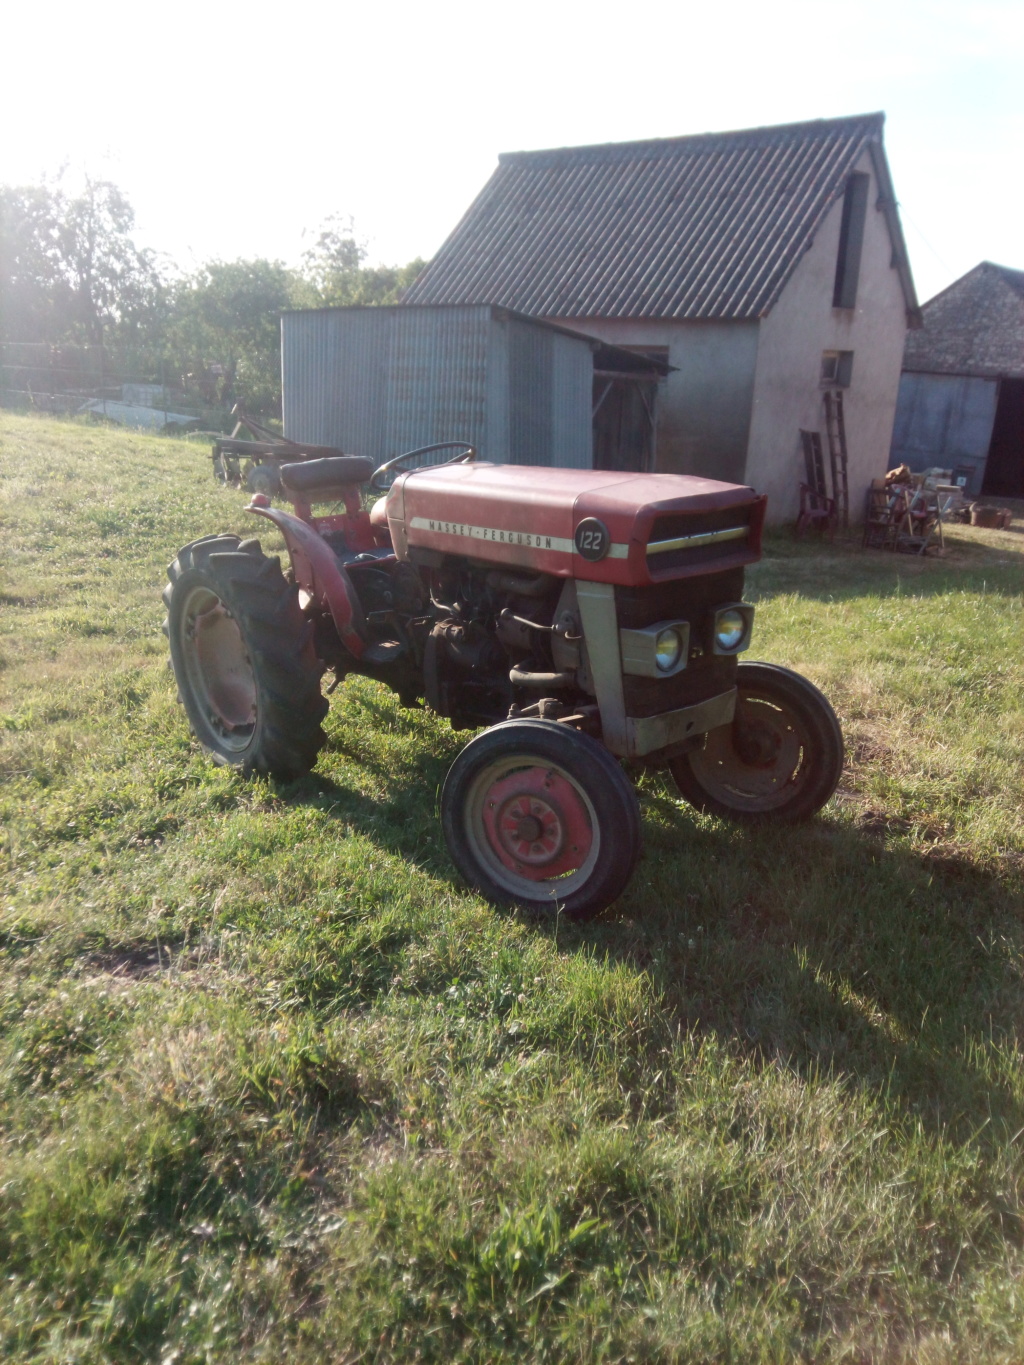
684,540
687,599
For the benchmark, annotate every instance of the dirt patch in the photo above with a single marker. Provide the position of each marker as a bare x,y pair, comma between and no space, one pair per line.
135,964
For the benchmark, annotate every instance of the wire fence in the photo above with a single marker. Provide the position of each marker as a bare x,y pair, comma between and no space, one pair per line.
129,385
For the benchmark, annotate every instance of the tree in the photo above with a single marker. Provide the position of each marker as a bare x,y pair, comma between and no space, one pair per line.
69,269
36,297
225,331
334,269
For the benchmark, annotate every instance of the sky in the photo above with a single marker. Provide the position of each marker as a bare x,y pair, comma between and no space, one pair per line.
236,130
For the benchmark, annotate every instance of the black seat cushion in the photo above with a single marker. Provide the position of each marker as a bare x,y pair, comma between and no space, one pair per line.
311,476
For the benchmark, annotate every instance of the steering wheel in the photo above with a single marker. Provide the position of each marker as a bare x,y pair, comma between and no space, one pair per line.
380,483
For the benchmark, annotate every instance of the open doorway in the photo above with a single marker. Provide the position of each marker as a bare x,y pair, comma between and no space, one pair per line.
624,413
1004,469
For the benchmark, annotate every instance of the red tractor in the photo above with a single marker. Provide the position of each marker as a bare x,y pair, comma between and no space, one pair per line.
592,621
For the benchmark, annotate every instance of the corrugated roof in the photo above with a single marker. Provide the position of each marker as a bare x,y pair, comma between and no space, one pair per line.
690,227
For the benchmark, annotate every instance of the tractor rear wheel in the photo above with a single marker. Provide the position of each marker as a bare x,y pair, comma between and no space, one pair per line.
778,762
538,815
243,657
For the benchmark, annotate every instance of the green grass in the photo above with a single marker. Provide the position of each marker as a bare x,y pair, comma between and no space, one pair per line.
275,1086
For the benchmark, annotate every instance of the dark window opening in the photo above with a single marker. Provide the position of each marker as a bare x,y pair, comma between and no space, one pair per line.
1004,468
851,240
624,420
837,369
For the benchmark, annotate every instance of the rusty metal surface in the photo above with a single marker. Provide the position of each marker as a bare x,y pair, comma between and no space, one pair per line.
692,227
319,573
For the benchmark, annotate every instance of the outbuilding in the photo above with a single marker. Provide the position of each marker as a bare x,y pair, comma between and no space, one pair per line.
765,266
961,401
379,381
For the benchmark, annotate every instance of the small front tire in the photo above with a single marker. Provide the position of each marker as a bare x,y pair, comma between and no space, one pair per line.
778,762
539,815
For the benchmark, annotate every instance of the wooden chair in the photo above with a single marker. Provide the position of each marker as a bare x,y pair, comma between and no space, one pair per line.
816,507
881,522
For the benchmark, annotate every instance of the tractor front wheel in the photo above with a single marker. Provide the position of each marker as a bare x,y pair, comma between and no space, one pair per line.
538,815
243,657
779,761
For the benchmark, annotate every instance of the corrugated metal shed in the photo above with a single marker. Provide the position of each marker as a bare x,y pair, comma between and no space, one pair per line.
691,227
378,381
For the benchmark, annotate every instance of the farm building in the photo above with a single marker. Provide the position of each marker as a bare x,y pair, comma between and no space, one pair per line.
961,403
378,381
762,265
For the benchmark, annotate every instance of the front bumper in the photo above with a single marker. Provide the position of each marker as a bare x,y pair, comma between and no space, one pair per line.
650,734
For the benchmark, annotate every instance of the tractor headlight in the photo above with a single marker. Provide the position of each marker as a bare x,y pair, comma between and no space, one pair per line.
657,651
668,646
732,628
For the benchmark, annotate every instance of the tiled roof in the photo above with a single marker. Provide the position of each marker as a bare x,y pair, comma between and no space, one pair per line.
1014,278
974,327
690,227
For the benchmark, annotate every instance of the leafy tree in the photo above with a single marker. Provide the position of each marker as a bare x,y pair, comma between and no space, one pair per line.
335,270
70,272
69,269
224,331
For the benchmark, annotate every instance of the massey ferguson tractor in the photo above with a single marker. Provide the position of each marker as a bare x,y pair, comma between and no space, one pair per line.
585,622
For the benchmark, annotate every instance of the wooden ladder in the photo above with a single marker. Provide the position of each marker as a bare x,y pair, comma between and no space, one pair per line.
814,463
835,429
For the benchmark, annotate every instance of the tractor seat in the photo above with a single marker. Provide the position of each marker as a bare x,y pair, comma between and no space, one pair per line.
326,475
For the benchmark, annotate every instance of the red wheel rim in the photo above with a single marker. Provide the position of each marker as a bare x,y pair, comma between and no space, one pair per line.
532,826
537,823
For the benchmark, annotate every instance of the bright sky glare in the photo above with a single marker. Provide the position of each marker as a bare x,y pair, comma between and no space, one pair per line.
236,129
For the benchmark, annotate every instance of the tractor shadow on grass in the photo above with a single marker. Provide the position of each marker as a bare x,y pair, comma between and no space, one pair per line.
831,948
835,948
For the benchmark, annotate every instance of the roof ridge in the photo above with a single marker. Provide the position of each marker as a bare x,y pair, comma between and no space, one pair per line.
764,134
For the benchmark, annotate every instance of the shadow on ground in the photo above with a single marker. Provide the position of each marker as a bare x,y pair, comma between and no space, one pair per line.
831,947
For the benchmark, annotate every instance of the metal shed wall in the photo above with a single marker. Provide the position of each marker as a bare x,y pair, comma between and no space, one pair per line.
377,381
945,420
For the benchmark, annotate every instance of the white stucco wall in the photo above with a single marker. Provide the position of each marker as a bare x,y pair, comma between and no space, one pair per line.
704,407
787,387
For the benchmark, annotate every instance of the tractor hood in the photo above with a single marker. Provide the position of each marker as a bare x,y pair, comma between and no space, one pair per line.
598,525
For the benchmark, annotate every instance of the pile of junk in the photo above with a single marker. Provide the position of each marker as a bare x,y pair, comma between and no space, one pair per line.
906,511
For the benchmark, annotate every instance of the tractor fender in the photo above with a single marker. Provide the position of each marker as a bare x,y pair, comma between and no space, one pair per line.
318,573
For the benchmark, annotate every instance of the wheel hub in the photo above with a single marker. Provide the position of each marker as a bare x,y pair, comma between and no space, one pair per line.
537,823
753,761
757,745
529,829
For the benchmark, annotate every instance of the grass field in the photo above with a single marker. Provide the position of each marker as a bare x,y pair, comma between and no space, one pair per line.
276,1087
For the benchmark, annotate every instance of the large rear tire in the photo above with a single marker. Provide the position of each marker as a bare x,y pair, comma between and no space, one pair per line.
244,658
538,815
778,762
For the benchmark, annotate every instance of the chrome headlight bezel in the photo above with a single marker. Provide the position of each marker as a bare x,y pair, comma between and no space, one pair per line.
639,649
746,614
